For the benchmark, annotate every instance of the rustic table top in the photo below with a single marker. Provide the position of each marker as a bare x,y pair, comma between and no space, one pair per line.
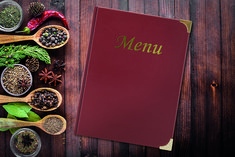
205,124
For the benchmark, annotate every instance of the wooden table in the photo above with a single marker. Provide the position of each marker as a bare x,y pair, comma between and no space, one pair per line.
205,124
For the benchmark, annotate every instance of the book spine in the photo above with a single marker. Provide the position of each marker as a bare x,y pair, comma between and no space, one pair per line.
83,81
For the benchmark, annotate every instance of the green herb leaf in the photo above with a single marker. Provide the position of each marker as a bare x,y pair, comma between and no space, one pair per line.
18,110
3,129
33,117
22,105
12,54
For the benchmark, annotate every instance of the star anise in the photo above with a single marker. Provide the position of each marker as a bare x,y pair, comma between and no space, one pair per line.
24,84
55,78
59,65
45,75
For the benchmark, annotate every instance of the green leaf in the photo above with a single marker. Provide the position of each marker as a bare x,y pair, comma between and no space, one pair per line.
18,110
33,117
3,129
22,105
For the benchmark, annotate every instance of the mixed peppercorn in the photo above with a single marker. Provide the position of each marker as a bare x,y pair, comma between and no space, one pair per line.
52,37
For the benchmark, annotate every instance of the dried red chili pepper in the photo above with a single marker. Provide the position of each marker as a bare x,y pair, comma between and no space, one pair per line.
36,21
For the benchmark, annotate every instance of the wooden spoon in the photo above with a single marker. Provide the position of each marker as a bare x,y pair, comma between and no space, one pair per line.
7,99
4,39
7,123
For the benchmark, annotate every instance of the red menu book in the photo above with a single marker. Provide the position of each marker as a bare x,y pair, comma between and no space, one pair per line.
132,78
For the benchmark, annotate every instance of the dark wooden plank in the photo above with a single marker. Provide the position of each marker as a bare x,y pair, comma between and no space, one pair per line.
89,146
182,136
228,76
198,54
120,4
136,6
166,8
105,148
72,76
213,51
151,7
120,149
87,8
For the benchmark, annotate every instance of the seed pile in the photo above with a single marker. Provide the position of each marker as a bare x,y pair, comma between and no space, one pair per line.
52,37
44,99
26,142
11,79
53,124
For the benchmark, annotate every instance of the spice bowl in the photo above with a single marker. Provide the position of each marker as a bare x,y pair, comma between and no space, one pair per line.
16,81
25,142
11,16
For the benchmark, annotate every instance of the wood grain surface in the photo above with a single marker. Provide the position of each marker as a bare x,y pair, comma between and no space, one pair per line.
205,123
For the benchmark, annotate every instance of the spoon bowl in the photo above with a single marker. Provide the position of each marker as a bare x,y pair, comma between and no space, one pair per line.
7,123
37,35
27,99
4,39
42,122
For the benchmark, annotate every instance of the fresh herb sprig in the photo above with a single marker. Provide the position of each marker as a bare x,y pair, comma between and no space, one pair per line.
12,54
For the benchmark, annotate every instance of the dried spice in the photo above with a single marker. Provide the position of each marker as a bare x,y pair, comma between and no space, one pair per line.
10,16
44,99
26,142
53,125
55,78
52,37
59,65
32,64
45,75
36,8
24,83
11,79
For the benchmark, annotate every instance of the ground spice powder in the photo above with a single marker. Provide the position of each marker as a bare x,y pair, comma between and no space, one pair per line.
53,125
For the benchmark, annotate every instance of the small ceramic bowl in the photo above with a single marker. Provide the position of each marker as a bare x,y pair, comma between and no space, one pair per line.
5,4
16,146
16,94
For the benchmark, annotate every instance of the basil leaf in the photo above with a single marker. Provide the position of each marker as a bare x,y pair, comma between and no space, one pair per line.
33,117
15,110
22,105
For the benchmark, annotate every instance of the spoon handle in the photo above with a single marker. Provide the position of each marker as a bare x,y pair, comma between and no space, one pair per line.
7,99
4,39
7,123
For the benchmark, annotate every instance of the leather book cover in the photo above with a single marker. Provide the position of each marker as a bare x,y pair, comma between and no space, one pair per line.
132,78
